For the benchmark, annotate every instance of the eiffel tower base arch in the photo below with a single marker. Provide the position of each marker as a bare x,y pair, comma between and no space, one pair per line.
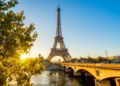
63,53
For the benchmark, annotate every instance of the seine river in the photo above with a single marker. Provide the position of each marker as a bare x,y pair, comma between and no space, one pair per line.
56,78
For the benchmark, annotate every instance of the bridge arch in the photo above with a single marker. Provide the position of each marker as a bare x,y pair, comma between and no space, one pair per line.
110,80
109,77
87,77
87,72
70,69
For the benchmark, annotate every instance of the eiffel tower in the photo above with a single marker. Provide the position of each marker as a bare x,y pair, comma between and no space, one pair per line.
62,50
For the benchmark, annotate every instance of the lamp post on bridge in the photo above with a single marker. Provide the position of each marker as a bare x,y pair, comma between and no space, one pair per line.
106,53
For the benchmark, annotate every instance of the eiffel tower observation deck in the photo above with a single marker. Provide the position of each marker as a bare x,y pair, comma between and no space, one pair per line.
62,51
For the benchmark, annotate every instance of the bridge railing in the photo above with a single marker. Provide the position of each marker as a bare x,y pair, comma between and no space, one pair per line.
106,66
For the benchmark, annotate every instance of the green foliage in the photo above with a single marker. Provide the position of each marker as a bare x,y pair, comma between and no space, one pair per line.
2,74
16,39
21,70
29,67
99,59
7,5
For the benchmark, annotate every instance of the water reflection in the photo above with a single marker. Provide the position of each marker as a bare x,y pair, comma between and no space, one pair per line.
55,78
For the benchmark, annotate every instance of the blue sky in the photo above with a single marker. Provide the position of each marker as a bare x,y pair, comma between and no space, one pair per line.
89,26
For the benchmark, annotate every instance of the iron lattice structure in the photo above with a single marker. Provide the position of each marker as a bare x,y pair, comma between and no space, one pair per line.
62,50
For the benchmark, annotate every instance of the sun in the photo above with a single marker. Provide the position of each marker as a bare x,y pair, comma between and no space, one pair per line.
24,56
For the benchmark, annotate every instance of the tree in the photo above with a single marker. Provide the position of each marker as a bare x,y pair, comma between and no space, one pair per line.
90,60
16,39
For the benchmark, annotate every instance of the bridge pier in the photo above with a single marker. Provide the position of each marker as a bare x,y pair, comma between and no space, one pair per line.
102,83
117,81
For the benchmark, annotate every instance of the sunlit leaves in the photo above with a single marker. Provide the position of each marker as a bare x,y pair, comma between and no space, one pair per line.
15,38
29,67
20,70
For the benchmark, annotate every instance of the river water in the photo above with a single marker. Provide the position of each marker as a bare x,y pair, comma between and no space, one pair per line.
56,78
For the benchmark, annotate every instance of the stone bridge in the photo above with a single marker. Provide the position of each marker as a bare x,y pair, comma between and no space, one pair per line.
107,73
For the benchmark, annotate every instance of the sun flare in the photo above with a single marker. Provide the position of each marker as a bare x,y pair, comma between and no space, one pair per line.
24,56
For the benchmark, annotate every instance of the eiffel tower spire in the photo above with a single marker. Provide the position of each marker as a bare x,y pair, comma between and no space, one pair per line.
62,50
58,31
